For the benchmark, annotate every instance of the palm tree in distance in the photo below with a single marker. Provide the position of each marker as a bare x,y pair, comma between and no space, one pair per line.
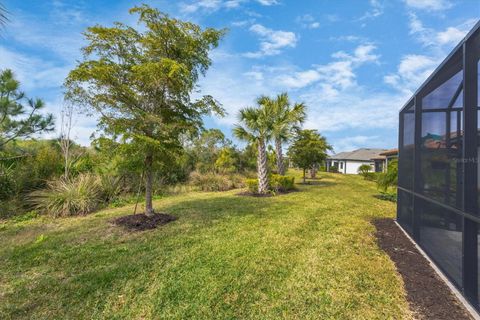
256,127
286,121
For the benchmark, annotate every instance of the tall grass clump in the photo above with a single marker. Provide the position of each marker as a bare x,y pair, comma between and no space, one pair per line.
68,197
216,182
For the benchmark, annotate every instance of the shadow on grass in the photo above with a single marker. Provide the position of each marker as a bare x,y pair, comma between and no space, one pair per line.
318,182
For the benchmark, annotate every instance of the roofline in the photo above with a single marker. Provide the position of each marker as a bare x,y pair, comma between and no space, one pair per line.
444,62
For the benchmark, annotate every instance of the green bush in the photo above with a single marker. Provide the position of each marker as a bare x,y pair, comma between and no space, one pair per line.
252,185
333,169
110,187
389,180
388,196
237,180
77,196
280,183
370,176
365,171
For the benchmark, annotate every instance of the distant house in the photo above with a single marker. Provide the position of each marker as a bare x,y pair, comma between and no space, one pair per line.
349,162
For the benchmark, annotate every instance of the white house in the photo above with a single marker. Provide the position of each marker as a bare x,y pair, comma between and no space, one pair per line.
349,162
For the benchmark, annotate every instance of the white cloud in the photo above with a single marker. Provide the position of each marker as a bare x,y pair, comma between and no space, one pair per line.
215,5
336,74
267,2
32,72
450,35
242,23
300,79
308,21
429,5
376,10
412,71
437,39
272,41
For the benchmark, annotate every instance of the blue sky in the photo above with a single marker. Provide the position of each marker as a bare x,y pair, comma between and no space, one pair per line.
354,63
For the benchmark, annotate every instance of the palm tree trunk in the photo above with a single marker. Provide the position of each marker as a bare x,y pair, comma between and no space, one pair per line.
262,167
280,166
148,184
304,178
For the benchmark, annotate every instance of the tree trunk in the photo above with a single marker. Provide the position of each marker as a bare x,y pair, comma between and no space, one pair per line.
148,184
304,176
280,166
262,168
313,172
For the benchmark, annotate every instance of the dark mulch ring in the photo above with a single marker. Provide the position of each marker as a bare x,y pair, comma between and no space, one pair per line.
265,195
140,222
429,297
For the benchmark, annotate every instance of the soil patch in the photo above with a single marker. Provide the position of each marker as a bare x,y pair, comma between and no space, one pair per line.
429,297
140,222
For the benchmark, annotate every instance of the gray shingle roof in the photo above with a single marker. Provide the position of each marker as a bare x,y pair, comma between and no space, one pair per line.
363,154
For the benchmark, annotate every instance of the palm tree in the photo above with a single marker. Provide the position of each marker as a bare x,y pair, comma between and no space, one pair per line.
257,128
286,121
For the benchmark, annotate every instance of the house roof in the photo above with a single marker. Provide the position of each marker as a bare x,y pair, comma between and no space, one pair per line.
363,154
391,152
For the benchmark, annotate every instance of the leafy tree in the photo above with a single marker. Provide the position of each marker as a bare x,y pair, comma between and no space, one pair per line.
308,150
247,158
286,121
207,147
140,82
226,161
257,128
19,116
389,179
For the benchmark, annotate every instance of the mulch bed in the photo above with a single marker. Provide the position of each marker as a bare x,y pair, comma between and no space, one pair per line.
429,297
140,222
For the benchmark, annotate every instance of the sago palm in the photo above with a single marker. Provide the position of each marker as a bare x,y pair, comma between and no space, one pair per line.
286,120
256,127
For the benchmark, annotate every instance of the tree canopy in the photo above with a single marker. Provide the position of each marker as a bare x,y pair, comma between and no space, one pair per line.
140,81
286,121
256,127
19,115
308,149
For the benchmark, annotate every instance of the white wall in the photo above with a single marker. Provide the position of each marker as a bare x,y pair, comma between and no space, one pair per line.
352,166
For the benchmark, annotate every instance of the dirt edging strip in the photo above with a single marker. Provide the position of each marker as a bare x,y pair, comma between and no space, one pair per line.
428,295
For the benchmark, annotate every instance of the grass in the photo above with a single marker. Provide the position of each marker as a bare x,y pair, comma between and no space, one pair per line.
305,255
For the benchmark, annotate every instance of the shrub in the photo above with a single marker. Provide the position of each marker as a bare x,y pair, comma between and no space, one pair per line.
371,176
333,169
280,183
237,181
364,171
389,179
110,187
252,185
77,196
388,196
210,181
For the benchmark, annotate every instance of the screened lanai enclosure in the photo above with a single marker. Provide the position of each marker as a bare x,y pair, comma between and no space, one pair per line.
438,187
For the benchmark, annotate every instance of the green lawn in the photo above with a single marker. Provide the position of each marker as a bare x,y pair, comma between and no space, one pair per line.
305,255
